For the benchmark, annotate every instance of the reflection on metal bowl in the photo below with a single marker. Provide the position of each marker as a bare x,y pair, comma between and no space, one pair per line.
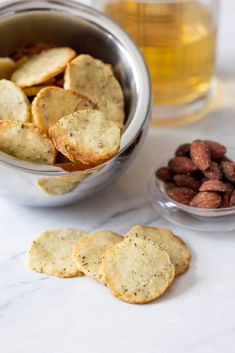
87,31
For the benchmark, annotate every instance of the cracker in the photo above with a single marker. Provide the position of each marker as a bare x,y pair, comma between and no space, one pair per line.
88,252
42,67
86,136
14,104
21,60
53,103
51,252
95,79
137,270
174,245
26,141
33,90
7,66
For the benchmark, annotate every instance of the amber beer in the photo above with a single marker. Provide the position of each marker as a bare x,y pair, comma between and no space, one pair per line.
178,40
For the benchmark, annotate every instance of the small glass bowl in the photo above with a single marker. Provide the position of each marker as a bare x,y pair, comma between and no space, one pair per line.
202,219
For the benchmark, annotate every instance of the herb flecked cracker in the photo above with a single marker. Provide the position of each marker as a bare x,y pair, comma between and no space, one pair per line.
137,270
53,103
14,104
7,66
86,136
51,252
88,252
170,242
42,67
34,90
95,79
26,141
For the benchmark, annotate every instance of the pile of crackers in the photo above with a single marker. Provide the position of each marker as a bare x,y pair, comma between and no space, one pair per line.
55,102
137,267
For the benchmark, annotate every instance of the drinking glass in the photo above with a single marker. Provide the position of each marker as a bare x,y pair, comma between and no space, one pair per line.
178,40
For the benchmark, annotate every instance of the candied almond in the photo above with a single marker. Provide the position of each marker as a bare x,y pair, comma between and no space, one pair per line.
213,172
225,200
206,199
200,175
181,195
217,150
187,181
181,165
232,200
183,150
164,174
229,188
169,185
226,159
213,185
228,169
200,154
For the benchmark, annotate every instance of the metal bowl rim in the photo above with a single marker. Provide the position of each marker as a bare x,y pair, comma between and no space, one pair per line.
142,111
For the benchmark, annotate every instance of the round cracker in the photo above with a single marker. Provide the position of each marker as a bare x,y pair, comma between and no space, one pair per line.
51,252
137,270
42,67
34,90
21,60
53,103
14,104
26,141
88,252
174,245
95,79
7,66
86,136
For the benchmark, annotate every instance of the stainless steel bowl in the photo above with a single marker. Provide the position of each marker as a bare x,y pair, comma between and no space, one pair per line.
87,31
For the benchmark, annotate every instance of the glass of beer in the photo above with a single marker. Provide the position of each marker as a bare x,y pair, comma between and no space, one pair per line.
178,40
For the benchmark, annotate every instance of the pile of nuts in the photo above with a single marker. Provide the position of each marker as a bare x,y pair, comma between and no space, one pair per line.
200,175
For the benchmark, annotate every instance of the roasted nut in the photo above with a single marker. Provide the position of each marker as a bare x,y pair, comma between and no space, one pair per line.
200,154
169,185
226,159
206,199
181,165
217,150
181,195
164,174
232,200
183,150
213,172
228,169
200,175
213,185
187,181
226,196
229,187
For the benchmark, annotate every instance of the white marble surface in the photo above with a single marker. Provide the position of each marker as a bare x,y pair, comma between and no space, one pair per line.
42,314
